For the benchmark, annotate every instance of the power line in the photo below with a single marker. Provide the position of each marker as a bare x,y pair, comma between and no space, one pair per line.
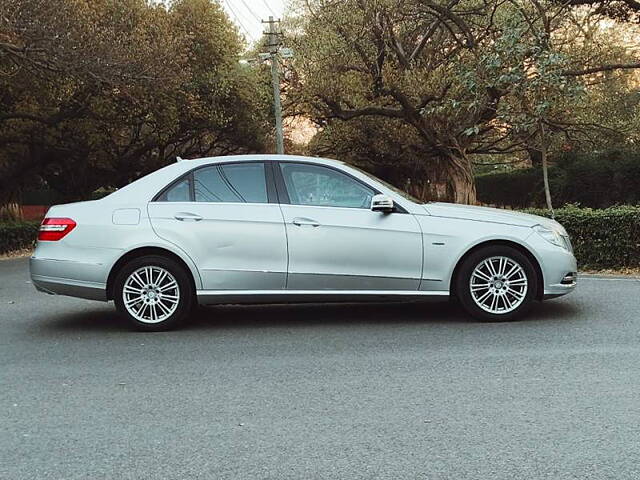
269,8
238,21
251,11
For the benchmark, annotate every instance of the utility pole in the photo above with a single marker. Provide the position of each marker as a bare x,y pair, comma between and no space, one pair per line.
273,45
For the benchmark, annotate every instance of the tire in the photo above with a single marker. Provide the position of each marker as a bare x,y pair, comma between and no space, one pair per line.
485,292
156,303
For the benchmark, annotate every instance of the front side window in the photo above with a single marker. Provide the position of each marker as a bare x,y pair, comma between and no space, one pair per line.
325,187
234,183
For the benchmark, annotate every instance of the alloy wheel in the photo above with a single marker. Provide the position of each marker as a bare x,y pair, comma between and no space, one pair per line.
151,294
498,285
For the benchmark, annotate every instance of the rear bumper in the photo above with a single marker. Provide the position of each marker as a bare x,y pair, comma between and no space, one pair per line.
61,277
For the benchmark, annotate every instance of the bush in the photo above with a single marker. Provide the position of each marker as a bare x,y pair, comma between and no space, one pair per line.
18,235
607,238
597,180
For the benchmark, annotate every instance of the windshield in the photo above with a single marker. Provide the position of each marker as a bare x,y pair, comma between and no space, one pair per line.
402,193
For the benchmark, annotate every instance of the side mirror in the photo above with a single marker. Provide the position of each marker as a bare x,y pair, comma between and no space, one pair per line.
382,203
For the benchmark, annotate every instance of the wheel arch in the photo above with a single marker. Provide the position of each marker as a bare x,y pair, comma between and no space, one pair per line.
141,252
499,242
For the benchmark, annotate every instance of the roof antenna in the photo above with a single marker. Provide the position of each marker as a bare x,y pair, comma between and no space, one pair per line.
179,159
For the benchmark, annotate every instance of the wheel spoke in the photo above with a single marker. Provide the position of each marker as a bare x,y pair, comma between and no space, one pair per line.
494,299
161,277
490,267
171,300
515,269
484,296
133,301
481,275
478,287
165,310
138,279
169,286
502,265
507,302
515,293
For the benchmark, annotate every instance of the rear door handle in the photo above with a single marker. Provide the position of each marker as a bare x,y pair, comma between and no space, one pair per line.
187,217
299,221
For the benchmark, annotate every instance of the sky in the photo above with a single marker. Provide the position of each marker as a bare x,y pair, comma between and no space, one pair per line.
247,14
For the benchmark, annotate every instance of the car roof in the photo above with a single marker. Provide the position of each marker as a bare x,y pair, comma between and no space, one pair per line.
260,157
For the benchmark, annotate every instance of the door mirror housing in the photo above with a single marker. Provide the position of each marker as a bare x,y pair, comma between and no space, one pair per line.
382,203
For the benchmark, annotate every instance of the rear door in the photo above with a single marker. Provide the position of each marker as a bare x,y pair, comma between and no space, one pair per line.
336,242
225,217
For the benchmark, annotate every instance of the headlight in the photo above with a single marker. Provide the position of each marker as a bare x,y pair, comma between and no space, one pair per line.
552,236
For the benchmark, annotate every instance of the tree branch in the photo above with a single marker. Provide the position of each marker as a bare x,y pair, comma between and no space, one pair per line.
601,68
342,114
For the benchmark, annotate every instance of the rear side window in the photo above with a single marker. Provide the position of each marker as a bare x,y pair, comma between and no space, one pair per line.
239,183
234,183
178,192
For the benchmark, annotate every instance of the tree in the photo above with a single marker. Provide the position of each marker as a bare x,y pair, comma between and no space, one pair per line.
464,75
98,93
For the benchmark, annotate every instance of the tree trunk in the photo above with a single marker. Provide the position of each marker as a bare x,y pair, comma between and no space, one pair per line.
535,156
545,169
449,180
10,208
446,179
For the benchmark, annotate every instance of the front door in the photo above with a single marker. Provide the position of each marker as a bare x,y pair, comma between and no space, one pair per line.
221,217
335,240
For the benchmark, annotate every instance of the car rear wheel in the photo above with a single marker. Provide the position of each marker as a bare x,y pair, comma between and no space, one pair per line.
497,283
153,293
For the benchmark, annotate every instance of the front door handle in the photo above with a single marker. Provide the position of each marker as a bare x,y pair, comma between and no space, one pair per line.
299,221
187,217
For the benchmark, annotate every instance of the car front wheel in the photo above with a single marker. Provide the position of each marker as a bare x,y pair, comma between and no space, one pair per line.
497,283
154,293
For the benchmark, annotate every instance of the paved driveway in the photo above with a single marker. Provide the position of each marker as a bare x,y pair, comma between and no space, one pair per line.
332,392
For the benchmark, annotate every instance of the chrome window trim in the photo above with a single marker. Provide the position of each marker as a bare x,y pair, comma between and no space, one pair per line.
268,179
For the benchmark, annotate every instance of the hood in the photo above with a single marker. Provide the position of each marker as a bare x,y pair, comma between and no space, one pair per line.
487,214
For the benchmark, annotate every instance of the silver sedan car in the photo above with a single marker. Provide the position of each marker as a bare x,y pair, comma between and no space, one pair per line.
280,229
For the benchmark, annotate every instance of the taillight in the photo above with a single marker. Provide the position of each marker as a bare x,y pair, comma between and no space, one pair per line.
53,229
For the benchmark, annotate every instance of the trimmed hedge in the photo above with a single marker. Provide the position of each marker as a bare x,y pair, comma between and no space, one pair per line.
17,235
607,238
597,180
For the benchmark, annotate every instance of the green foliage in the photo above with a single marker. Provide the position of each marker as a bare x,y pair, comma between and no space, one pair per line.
461,79
96,94
596,180
18,235
607,238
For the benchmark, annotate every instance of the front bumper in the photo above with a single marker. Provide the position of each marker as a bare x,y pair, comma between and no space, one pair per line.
558,265
567,285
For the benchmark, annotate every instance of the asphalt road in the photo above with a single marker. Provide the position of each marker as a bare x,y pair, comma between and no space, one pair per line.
400,391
